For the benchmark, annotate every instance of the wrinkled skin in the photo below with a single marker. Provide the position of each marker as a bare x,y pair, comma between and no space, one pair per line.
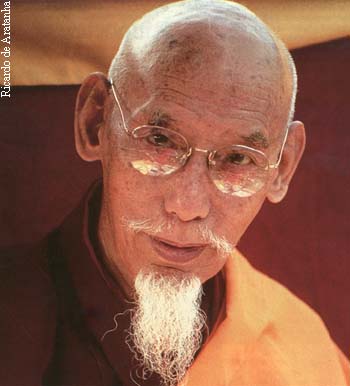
217,76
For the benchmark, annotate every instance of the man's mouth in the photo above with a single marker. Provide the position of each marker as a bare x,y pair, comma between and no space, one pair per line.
176,252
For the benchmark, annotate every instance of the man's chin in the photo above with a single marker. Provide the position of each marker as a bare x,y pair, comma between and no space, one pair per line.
202,268
166,326
168,271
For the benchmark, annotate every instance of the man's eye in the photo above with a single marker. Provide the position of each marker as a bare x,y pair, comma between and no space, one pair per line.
158,139
239,159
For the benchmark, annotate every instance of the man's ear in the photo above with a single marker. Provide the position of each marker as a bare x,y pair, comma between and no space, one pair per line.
291,156
89,116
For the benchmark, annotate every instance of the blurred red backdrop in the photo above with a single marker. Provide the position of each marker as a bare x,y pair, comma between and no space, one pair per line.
303,242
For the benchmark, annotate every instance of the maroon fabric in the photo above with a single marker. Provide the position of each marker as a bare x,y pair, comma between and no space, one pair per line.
303,242
42,178
27,316
57,303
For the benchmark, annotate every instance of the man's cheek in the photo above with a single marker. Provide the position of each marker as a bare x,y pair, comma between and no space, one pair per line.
130,186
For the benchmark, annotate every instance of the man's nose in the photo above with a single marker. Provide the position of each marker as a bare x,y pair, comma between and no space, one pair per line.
188,195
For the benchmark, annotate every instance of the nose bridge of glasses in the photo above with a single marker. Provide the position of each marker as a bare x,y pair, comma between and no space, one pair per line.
201,150
209,153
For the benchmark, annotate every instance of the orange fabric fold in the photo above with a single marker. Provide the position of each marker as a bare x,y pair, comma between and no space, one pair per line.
266,336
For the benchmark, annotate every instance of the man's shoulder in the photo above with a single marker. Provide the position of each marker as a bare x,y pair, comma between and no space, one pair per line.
273,310
27,310
293,330
287,332
283,307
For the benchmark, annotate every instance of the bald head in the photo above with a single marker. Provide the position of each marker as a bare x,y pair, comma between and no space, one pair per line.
213,43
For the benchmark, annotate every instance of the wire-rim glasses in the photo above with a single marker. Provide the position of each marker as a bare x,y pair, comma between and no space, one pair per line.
237,170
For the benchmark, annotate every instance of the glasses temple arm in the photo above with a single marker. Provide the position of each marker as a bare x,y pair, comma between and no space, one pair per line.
274,166
119,106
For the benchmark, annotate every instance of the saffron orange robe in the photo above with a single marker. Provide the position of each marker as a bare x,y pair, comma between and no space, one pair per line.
266,336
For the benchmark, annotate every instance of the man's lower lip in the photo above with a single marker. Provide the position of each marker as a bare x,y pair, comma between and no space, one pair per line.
174,254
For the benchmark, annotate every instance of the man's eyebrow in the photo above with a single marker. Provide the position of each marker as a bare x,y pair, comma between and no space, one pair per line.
160,118
256,139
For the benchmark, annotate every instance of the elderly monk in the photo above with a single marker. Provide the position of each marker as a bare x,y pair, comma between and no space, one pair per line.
143,284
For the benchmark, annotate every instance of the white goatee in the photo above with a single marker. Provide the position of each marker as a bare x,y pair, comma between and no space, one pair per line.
166,325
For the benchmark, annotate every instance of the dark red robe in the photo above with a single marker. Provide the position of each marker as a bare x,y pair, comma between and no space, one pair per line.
56,302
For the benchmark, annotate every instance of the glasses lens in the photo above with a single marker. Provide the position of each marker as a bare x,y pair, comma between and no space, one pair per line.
156,151
239,171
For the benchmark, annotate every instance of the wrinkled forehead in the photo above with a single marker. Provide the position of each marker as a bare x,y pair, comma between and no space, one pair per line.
218,52
189,42
224,46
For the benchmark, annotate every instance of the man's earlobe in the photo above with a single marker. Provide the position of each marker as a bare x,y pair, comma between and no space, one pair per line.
291,156
278,190
89,116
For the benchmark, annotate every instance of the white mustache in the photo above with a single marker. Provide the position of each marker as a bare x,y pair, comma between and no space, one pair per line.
206,235
146,226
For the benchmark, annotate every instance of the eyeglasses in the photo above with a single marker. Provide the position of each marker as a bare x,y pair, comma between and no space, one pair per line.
237,170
